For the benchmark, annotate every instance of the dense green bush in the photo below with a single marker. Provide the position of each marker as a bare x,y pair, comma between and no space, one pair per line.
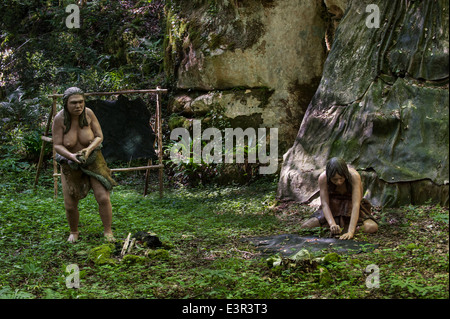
21,127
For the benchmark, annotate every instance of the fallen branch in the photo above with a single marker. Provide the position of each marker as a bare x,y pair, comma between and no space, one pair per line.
125,245
131,245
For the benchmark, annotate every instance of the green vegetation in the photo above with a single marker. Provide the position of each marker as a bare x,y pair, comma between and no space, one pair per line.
120,46
203,255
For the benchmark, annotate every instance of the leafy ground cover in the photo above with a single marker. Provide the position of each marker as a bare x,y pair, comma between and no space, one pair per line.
203,228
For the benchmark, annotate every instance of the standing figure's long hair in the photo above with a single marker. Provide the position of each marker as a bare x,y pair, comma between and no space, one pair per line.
82,121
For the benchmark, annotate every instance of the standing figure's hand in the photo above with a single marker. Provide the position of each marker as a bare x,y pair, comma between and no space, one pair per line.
83,155
73,157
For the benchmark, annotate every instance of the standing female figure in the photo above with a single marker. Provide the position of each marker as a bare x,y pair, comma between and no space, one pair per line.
77,138
342,203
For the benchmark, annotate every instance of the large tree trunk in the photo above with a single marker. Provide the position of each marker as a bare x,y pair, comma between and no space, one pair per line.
382,105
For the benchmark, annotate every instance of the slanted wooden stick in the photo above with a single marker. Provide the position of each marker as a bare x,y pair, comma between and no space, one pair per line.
125,245
131,245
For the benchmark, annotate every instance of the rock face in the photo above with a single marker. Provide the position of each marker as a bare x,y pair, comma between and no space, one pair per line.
382,105
256,62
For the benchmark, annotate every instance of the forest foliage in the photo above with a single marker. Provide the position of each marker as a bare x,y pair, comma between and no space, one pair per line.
118,46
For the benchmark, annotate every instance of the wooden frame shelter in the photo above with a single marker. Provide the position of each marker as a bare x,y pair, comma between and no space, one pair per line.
157,129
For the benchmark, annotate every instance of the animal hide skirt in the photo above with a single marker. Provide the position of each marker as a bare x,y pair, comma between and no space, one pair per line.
76,177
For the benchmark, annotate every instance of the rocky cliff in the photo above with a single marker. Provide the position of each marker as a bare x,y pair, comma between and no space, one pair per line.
382,105
256,62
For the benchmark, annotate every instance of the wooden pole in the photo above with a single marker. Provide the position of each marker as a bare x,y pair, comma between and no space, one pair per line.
140,168
130,169
160,154
157,90
41,156
150,162
55,165
147,177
